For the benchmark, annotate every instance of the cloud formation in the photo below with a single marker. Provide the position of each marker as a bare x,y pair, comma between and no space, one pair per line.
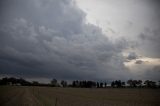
150,43
139,62
51,39
132,56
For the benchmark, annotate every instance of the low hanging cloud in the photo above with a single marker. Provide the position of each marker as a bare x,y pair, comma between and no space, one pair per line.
51,39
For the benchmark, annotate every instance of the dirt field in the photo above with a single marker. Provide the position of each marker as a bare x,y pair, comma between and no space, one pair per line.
48,96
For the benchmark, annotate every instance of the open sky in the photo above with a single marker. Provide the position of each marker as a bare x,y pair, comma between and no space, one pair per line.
80,39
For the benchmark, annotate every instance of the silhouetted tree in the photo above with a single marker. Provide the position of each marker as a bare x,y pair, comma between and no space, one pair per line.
98,85
139,83
74,84
113,84
14,81
101,85
64,83
150,84
105,84
132,83
54,82
4,81
118,83
123,84
83,84
35,83
93,84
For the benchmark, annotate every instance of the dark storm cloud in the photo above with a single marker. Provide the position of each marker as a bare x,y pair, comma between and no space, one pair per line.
51,39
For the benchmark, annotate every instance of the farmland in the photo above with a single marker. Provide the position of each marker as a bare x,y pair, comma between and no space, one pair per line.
52,96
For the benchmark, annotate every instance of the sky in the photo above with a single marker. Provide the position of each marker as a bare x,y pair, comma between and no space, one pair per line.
80,39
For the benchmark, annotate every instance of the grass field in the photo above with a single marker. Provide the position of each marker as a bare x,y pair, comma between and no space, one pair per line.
49,96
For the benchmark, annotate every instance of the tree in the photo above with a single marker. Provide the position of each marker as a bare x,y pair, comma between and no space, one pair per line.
54,82
139,83
119,83
77,83
74,84
101,85
150,84
123,84
35,83
105,84
113,84
135,83
130,83
98,85
14,81
64,83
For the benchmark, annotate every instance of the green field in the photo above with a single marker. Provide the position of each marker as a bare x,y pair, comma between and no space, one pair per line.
48,96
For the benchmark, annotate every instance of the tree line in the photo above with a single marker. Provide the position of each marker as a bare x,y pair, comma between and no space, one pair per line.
82,84
20,82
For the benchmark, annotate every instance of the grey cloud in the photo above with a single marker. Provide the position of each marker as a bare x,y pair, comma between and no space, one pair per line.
139,62
51,39
150,43
149,74
132,56
149,39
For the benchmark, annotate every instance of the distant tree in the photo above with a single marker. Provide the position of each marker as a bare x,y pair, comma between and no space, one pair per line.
54,82
77,83
23,82
130,82
74,84
113,84
4,81
64,83
135,83
81,84
98,85
35,83
147,83
14,81
105,84
117,83
93,84
123,84
150,84
139,83
101,85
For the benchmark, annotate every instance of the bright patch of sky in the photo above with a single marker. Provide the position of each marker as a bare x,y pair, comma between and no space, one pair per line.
121,18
